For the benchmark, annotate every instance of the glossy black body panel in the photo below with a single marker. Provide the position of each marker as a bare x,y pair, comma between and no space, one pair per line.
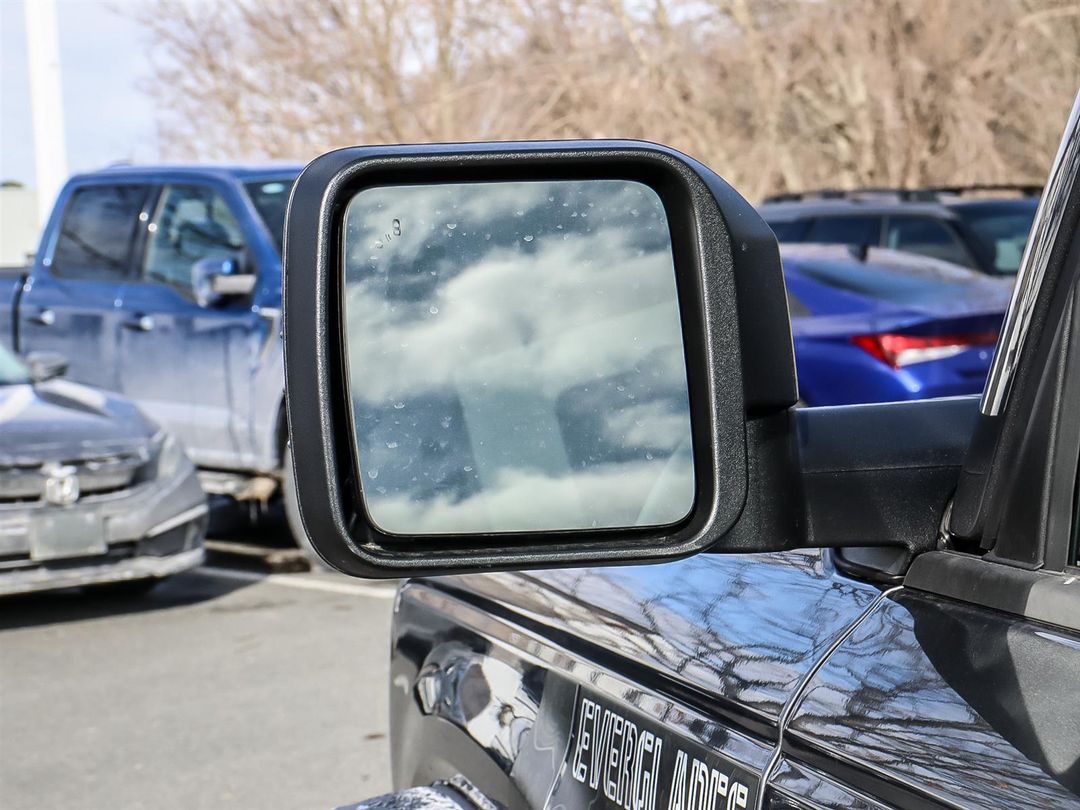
712,626
896,699
702,646
934,701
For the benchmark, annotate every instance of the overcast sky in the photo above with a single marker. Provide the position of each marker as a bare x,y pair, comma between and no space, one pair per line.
103,62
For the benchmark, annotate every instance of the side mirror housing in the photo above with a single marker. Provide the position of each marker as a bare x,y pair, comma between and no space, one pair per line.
46,365
217,279
520,355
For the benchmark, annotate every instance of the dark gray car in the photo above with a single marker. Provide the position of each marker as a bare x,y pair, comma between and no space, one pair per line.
91,491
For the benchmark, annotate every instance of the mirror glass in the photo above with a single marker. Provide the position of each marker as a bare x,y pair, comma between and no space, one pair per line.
515,357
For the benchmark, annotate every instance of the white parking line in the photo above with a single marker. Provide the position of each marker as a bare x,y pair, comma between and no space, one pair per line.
303,581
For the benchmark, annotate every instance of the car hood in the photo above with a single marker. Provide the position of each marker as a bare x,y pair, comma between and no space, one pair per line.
61,421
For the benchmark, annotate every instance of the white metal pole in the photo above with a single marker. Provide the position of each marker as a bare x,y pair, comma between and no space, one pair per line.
46,102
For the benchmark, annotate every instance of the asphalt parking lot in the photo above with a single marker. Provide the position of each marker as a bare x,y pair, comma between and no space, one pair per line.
224,687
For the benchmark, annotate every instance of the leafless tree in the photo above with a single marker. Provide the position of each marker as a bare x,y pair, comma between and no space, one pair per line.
775,94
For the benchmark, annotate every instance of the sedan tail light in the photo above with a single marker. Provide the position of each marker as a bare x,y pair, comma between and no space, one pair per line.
903,350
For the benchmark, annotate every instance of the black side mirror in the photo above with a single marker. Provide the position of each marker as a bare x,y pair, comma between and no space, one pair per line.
534,354
217,279
46,365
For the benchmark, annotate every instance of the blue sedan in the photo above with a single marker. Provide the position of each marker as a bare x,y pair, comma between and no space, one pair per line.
879,326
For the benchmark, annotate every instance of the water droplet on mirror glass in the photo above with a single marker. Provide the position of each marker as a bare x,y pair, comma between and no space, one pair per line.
467,468
451,225
378,244
373,474
528,237
434,310
398,406
391,445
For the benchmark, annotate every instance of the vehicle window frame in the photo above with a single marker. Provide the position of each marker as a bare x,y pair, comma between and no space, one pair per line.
949,228
1009,530
135,241
159,197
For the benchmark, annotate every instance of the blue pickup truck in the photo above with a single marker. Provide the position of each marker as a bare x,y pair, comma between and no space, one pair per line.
164,284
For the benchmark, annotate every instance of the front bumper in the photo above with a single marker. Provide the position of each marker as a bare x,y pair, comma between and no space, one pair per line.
154,529
28,580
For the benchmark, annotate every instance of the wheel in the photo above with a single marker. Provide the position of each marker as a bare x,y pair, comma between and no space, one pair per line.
292,514
127,588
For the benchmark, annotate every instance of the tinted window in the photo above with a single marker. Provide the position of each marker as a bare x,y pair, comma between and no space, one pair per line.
271,198
792,231
191,223
927,237
1002,235
516,357
97,232
854,230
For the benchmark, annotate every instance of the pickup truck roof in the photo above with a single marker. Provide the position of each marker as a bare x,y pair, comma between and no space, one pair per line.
235,171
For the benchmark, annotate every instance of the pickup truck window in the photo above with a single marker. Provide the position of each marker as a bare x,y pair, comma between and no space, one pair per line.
271,199
926,237
191,223
98,232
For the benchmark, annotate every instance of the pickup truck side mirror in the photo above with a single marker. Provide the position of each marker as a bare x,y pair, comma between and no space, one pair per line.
534,354
46,365
217,279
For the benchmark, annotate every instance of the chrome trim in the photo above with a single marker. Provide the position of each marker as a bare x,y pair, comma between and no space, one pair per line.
1029,279
178,520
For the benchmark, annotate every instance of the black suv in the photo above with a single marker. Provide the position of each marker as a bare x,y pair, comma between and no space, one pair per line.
962,225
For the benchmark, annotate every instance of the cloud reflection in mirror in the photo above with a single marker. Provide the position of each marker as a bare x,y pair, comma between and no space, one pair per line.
516,357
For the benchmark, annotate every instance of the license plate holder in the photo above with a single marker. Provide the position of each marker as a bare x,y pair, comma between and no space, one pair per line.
61,534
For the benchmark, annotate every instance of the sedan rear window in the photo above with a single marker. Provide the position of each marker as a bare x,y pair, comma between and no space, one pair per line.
899,280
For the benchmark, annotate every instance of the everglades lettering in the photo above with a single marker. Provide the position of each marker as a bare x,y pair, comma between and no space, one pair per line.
632,767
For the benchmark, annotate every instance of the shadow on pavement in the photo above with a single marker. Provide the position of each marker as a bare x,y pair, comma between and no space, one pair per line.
75,604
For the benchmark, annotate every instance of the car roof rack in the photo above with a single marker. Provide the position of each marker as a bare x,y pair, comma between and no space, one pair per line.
928,194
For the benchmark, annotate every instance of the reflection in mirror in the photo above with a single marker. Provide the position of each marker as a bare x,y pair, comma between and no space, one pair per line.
516,357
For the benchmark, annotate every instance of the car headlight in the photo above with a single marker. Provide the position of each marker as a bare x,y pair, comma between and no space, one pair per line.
170,456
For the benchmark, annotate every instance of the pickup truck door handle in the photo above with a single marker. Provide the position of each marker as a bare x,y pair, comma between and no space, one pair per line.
45,317
140,323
